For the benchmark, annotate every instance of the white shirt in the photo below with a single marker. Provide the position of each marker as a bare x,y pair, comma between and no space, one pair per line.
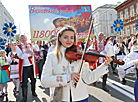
116,50
36,47
100,45
52,48
110,49
134,48
23,55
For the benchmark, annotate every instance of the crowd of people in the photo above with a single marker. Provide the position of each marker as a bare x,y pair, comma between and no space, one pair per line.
47,61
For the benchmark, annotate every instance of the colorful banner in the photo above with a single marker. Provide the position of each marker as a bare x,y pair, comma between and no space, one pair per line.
47,20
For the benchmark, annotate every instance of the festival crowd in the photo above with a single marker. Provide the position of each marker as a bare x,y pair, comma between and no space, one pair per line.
46,60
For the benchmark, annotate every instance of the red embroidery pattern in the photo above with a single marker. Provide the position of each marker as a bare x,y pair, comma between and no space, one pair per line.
100,46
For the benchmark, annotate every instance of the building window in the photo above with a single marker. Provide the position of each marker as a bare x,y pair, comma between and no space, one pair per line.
112,30
132,11
133,29
111,17
122,32
104,28
137,8
96,18
128,34
103,18
126,13
116,16
121,15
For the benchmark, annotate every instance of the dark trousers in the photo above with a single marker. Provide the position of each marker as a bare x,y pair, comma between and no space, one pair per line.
112,64
104,79
28,71
41,63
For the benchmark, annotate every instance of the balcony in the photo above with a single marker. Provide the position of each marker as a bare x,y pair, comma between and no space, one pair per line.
130,19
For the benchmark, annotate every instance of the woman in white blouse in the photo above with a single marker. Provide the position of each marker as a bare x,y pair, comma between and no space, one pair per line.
58,71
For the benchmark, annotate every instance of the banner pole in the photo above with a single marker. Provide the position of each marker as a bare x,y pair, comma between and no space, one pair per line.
33,60
11,44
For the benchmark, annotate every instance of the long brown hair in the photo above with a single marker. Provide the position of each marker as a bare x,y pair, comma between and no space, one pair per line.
60,33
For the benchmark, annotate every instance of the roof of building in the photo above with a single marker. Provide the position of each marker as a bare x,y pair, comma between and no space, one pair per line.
108,6
121,3
111,6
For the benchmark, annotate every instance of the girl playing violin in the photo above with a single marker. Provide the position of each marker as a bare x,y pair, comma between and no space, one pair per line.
59,72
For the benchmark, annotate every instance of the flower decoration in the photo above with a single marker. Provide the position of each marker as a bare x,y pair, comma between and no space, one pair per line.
9,30
55,93
137,25
118,25
2,44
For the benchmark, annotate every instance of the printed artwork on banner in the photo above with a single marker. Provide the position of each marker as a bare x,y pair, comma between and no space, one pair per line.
47,20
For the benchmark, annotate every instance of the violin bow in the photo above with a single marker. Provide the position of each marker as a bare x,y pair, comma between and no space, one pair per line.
85,48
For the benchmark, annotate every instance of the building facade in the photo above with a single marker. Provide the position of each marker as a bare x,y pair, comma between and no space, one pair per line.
5,17
128,12
104,17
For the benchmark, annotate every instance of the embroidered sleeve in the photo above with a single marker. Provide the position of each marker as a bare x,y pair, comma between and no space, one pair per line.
91,76
48,79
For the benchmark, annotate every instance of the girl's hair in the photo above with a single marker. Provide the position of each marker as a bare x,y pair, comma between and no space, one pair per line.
58,46
5,55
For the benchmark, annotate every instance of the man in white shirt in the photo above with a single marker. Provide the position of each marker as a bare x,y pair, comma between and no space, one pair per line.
25,54
100,46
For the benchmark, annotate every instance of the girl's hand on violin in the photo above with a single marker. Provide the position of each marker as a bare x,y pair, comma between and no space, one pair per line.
75,77
107,60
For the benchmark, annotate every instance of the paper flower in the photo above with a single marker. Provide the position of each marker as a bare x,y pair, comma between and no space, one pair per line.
2,44
9,29
118,25
137,25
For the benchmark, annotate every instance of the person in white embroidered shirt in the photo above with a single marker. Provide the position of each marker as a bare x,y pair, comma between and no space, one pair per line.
25,54
58,71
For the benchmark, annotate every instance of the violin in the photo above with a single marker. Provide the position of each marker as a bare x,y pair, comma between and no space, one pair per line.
74,53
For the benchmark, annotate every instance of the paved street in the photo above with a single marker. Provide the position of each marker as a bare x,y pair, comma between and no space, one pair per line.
117,93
